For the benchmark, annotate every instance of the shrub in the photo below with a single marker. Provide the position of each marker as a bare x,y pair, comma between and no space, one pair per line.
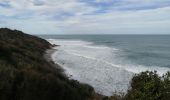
149,86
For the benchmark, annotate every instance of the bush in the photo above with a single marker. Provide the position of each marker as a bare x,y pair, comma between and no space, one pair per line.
149,86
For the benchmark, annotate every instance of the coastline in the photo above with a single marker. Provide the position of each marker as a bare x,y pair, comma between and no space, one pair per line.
48,56
26,72
96,74
29,72
95,95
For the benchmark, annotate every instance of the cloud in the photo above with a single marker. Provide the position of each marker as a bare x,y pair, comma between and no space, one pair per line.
147,21
86,16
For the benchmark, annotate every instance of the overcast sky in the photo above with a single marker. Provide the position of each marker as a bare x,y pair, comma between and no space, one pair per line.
86,16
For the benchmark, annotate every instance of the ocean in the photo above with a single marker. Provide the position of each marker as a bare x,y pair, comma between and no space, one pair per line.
108,62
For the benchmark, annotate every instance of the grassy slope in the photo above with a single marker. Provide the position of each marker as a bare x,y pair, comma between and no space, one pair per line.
26,75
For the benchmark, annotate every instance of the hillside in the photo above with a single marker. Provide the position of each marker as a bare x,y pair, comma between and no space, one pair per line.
26,75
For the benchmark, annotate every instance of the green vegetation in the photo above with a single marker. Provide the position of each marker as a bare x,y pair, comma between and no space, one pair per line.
147,86
26,75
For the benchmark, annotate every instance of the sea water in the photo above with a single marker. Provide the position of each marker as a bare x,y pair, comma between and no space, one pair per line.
108,62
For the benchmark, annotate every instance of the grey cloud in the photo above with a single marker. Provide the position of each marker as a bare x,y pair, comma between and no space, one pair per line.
3,21
74,17
38,2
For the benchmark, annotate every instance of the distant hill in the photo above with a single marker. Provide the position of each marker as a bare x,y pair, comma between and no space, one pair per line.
26,75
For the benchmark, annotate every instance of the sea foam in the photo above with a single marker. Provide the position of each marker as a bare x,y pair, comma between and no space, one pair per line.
98,66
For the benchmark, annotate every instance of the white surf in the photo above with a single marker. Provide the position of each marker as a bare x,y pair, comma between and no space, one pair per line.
100,66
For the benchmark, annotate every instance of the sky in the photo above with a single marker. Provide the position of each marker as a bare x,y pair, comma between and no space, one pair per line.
86,16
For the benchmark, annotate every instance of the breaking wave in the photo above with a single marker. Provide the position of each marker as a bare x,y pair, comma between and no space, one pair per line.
100,66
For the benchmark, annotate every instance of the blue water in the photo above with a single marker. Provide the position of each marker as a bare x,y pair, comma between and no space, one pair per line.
108,62
147,50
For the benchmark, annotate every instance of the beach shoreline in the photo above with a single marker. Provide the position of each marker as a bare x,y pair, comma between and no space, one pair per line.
48,56
71,57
